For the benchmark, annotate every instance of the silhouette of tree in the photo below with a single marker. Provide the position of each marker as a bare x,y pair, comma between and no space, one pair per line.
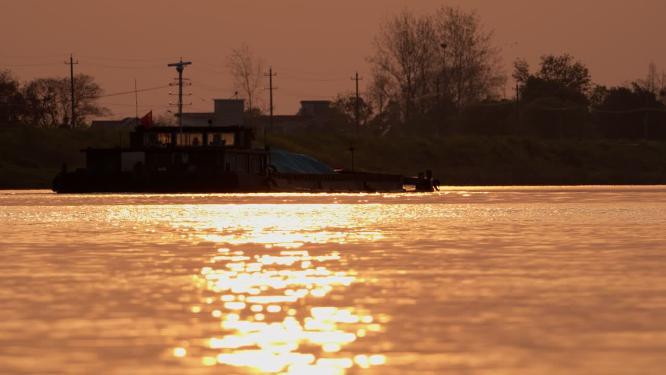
346,105
405,52
44,98
558,77
12,103
421,61
566,71
247,71
470,64
379,91
521,71
48,101
628,112
87,92
629,98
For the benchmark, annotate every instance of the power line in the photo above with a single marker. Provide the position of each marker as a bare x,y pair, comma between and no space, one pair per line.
304,79
128,92
124,67
29,65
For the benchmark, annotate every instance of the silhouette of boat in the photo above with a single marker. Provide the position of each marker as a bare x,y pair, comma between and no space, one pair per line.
213,159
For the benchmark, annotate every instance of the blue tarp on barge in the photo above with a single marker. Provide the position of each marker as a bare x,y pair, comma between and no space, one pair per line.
289,162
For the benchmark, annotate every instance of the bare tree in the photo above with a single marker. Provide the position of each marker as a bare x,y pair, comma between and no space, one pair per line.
521,71
470,63
416,57
379,91
247,71
404,57
87,92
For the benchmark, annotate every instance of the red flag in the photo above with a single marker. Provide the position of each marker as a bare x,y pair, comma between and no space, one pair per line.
147,120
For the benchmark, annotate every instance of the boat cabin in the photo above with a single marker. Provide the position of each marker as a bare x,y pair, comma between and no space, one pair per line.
156,150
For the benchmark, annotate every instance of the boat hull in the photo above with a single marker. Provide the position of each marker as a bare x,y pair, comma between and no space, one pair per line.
81,181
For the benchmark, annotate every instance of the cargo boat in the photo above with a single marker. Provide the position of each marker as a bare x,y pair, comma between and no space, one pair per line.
214,159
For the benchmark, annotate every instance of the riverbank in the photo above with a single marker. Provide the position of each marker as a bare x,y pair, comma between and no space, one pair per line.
30,157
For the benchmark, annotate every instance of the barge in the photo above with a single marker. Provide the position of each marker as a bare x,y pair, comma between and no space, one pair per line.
214,159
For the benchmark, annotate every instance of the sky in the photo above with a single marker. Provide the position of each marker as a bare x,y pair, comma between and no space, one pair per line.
315,46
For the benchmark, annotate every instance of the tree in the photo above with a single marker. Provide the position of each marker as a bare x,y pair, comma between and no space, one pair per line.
470,63
431,60
558,77
405,51
565,71
379,91
625,112
629,98
48,101
12,104
247,71
87,92
346,105
521,71
44,107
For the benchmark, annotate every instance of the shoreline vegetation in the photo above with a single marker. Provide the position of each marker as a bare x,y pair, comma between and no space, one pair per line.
31,157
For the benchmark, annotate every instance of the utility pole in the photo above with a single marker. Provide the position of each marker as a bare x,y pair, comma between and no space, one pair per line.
180,67
357,104
71,64
136,102
270,76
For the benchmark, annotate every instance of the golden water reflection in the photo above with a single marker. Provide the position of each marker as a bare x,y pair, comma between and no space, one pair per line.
274,314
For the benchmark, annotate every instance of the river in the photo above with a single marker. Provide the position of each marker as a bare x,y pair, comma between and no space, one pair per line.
478,280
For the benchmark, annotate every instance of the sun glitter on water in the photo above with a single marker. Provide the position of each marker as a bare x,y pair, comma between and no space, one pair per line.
270,319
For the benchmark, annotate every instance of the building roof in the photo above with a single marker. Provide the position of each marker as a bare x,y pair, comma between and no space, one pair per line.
191,129
199,115
105,124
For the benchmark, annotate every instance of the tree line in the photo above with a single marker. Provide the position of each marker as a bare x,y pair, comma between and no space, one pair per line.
46,102
439,73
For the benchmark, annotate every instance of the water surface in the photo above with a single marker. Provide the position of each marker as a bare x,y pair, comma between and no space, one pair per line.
547,280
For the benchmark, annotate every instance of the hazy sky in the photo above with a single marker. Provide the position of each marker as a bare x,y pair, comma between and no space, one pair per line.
315,46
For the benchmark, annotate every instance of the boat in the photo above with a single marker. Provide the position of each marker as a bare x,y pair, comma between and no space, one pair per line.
214,159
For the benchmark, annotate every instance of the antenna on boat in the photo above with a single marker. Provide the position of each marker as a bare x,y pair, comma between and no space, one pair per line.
180,67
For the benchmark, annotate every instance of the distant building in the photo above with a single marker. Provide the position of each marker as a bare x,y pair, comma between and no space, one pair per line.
198,118
227,112
231,112
126,123
315,108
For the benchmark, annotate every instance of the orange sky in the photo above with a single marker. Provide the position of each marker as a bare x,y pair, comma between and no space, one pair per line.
314,45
